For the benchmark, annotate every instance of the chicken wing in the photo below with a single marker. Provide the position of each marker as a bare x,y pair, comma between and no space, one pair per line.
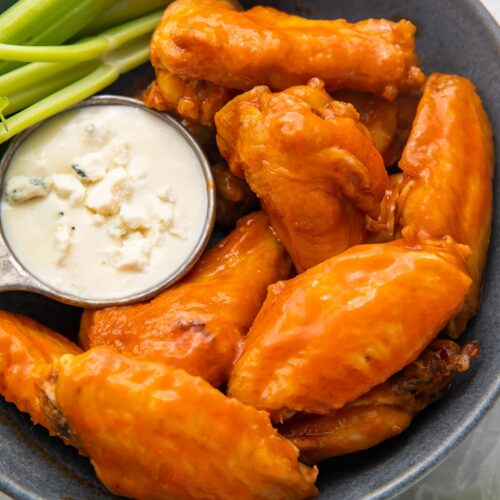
326,337
26,346
383,412
199,324
450,159
215,41
310,161
156,432
194,100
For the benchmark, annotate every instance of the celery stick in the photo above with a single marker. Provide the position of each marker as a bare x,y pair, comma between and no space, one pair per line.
113,65
86,49
123,11
31,75
28,17
69,18
35,93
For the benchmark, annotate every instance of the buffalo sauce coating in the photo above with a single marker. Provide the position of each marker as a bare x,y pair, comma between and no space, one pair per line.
156,432
329,335
215,40
449,158
26,346
199,324
310,161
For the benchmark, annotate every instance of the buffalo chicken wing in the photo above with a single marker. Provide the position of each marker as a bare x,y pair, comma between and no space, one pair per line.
449,159
311,163
213,45
326,337
156,432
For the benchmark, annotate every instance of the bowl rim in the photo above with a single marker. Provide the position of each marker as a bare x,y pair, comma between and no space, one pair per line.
394,487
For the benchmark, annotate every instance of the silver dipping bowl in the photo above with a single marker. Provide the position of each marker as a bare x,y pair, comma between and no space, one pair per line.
14,274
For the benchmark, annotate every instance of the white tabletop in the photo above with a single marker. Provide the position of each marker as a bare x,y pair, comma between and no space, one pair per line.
472,471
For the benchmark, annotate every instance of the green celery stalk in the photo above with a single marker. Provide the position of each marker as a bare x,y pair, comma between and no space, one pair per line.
35,93
31,75
66,18
86,49
121,12
28,17
113,65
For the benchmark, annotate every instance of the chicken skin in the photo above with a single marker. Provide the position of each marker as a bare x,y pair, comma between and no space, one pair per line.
25,347
311,163
449,159
215,40
194,100
213,48
326,337
383,412
200,323
387,227
389,122
155,432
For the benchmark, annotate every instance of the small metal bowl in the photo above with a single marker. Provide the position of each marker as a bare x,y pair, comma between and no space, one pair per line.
15,275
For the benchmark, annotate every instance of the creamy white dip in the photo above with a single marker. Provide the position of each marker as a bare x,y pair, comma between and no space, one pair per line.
103,202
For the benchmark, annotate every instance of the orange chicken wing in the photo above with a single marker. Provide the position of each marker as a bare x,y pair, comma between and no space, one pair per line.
449,158
310,161
326,337
156,432
199,324
215,41
25,347
383,412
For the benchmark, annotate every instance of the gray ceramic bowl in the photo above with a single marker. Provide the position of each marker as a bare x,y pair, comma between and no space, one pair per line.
456,36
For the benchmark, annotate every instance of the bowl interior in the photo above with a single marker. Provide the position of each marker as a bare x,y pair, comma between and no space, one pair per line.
455,36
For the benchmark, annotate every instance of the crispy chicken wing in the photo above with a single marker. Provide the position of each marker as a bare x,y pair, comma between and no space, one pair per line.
326,337
25,346
383,412
199,324
450,159
310,161
156,432
214,40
